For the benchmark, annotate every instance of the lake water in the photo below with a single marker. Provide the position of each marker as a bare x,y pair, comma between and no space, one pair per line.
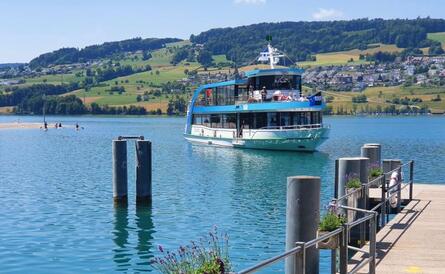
57,213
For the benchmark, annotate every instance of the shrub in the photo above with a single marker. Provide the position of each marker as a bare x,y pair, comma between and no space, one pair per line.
375,171
353,182
210,256
331,222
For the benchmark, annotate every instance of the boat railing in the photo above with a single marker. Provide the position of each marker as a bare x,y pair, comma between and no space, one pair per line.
299,127
309,126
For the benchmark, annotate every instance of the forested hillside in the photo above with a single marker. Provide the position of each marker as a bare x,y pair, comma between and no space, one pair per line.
300,40
74,55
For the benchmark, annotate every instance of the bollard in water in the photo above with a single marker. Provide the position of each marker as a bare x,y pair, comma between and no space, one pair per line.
302,218
120,189
143,171
374,153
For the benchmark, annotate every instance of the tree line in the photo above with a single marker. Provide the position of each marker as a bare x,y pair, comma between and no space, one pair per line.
301,40
90,53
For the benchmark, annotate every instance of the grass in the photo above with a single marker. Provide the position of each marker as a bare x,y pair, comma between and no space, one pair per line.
378,96
343,57
438,36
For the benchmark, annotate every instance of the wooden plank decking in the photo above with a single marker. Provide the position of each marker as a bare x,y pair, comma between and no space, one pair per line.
414,241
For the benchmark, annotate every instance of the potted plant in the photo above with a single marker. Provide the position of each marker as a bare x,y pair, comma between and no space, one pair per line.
352,184
374,172
330,222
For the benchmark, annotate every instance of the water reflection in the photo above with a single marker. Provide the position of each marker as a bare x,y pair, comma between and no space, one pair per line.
122,254
124,233
144,223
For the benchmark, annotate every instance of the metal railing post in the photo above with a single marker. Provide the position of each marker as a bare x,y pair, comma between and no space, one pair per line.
344,250
372,243
411,179
300,258
383,201
399,190
334,261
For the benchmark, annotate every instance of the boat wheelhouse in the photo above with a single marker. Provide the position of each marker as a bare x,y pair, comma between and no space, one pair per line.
265,109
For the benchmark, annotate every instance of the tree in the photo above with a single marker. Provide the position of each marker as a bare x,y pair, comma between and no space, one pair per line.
139,98
436,48
205,58
146,55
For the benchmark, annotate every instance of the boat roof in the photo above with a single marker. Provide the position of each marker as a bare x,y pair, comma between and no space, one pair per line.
226,83
276,71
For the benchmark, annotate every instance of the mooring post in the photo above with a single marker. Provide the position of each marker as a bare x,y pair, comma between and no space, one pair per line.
348,168
374,153
120,188
302,218
143,171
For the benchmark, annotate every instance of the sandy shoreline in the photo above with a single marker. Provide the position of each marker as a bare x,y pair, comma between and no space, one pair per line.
24,125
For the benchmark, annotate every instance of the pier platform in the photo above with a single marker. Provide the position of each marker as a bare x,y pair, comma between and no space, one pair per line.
414,240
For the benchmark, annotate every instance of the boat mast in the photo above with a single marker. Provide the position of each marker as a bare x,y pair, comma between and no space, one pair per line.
271,55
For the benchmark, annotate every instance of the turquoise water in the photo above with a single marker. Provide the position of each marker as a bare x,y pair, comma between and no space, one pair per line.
57,214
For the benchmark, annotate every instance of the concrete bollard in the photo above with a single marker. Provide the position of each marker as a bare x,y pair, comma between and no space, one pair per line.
120,188
143,171
350,166
391,164
302,219
373,152
356,167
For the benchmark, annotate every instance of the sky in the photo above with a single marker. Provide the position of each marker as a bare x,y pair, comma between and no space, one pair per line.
29,28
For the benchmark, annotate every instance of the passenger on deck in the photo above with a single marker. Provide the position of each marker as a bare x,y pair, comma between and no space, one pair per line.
263,94
251,91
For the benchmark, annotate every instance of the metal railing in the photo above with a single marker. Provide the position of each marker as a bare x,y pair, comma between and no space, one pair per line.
370,216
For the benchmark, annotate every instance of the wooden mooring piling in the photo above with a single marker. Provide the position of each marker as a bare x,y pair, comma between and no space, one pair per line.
143,170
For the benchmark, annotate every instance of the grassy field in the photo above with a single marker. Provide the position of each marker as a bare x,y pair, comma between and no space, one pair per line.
379,95
344,57
438,36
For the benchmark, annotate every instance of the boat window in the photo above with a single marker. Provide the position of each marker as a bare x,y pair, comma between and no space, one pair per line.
302,118
229,120
215,120
206,120
260,120
280,82
197,119
272,119
242,93
224,95
316,117
285,119
246,120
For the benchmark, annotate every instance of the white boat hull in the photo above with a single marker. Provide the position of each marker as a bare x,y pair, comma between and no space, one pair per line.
279,139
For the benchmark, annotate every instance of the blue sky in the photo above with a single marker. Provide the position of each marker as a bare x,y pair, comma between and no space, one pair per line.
31,27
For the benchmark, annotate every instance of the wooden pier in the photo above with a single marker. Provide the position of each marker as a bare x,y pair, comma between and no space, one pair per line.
414,240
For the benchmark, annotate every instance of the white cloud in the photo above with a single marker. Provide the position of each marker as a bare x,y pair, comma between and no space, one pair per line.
250,2
327,14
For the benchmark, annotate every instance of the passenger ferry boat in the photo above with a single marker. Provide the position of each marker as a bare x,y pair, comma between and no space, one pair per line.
265,109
